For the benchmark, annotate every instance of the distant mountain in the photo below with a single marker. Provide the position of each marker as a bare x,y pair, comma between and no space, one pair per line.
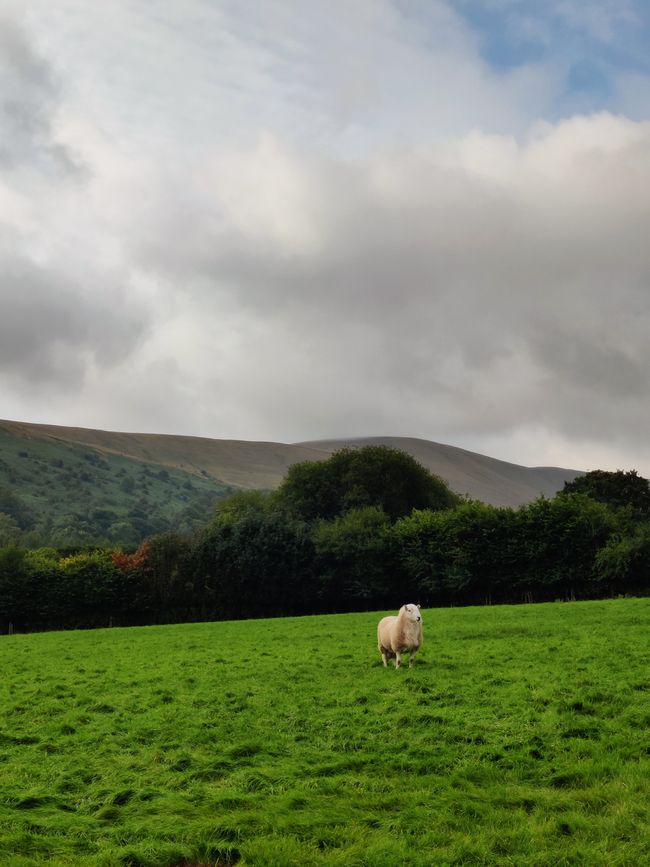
74,485
481,478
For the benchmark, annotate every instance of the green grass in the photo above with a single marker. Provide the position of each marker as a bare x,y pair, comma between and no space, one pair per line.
521,736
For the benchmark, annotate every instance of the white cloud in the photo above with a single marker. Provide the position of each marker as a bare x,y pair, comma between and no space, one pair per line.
482,285
257,242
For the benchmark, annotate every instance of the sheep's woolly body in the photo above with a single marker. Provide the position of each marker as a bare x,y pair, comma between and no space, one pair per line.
400,634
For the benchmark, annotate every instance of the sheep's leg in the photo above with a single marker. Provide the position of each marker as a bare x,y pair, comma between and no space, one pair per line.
412,658
384,658
398,659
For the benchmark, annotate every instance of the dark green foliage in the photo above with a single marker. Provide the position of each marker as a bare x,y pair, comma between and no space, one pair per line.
623,564
10,532
356,478
354,559
41,589
558,543
91,585
165,578
66,495
467,554
13,579
11,504
243,503
260,554
618,490
260,563
477,553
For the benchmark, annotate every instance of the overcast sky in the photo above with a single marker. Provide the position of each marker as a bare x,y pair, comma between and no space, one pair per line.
297,219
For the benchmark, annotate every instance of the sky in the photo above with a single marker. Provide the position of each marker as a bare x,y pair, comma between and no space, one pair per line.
288,220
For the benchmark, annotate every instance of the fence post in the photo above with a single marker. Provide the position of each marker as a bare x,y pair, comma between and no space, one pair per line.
10,630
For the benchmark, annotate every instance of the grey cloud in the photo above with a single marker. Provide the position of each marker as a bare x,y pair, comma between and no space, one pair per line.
470,298
318,251
28,99
594,363
52,329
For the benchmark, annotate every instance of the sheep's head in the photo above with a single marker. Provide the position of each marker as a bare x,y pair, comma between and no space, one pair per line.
411,612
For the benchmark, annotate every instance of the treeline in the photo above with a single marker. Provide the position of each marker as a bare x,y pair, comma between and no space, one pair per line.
368,528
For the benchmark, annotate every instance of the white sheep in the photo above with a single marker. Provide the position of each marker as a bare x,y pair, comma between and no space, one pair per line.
400,634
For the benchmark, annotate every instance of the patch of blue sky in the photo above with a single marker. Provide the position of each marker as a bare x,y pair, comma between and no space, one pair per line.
506,38
590,44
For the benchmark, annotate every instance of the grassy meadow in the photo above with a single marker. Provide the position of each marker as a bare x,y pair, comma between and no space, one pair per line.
521,736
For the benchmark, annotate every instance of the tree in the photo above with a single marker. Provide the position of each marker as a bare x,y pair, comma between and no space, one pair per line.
623,563
242,503
356,478
13,592
354,558
10,532
466,554
558,541
89,589
260,564
166,584
617,490
12,505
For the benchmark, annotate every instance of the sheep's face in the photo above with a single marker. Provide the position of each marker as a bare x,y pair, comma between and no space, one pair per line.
412,612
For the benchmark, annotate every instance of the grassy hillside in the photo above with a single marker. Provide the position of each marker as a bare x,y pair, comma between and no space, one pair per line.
519,737
71,486
242,464
64,494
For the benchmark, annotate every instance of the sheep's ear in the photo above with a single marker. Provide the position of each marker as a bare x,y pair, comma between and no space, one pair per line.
419,606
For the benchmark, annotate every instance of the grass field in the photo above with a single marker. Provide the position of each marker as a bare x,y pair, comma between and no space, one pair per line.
521,736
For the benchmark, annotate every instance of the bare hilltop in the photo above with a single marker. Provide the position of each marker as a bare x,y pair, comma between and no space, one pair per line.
263,465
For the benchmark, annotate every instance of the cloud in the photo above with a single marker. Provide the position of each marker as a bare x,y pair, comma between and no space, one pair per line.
52,329
266,244
67,301
27,100
480,284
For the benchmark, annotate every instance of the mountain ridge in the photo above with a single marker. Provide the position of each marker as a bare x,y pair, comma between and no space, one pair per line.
251,464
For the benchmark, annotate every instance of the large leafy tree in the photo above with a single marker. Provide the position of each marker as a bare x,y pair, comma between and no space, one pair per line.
617,490
358,478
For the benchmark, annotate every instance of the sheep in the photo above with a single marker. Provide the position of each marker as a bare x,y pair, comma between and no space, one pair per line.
400,634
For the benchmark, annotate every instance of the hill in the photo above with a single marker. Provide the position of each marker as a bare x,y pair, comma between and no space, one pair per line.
65,494
73,485
482,478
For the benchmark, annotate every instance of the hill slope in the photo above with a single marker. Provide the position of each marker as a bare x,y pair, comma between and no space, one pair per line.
75,485
62,493
239,463
482,478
